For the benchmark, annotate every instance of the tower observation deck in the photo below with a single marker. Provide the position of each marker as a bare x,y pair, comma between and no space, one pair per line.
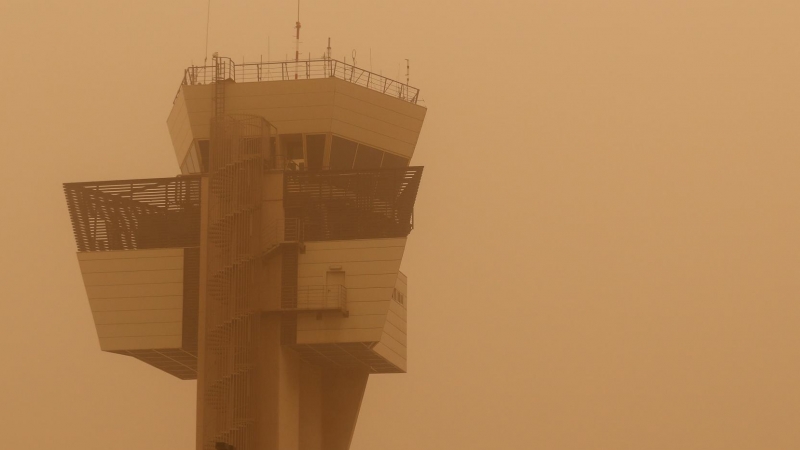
269,270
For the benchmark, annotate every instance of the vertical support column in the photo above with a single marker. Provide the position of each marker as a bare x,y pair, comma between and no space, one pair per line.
342,393
278,424
310,407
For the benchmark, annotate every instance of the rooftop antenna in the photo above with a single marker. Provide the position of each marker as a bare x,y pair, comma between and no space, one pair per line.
208,20
329,48
297,41
329,65
408,72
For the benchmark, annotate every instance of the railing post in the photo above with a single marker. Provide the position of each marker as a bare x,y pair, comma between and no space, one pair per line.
201,75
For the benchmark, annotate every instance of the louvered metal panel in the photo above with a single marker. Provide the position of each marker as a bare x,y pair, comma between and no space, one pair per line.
135,214
353,204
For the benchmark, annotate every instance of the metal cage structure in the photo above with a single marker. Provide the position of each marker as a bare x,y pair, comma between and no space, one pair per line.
239,147
353,204
135,214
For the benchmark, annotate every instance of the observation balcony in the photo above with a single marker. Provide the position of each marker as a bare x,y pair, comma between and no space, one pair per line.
138,252
352,204
298,70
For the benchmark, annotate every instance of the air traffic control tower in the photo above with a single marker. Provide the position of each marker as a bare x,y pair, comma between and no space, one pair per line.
269,270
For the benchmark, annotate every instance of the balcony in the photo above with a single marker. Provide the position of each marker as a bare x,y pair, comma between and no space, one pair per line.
352,204
319,298
135,214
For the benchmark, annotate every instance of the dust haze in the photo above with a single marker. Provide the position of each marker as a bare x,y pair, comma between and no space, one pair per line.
606,252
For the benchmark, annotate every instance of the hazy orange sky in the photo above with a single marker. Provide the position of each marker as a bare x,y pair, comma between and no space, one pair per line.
607,242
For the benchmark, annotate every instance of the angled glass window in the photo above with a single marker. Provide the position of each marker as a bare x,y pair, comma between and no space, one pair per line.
368,157
292,145
190,163
315,150
394,161
343,152
202,150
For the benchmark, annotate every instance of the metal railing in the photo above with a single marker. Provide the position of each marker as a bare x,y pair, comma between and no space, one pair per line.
135,214
353,204
300,70
322,298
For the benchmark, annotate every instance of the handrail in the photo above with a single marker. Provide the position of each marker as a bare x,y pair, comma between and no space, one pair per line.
301,70
322,298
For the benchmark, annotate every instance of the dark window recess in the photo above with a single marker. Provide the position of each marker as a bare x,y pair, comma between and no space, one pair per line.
315,149
292,145
368,157
342,153
202,153
394,161
364,204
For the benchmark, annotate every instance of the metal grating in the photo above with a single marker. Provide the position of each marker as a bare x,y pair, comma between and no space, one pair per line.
353,204
175,361
135,214
239,145
346,355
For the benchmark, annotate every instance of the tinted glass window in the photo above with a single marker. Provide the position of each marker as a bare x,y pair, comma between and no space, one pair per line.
190,164
292,145
202,149
315,149
368,158
185,167
390,160
342,153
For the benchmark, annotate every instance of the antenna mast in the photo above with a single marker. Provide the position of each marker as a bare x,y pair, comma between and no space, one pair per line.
297,42
208,21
